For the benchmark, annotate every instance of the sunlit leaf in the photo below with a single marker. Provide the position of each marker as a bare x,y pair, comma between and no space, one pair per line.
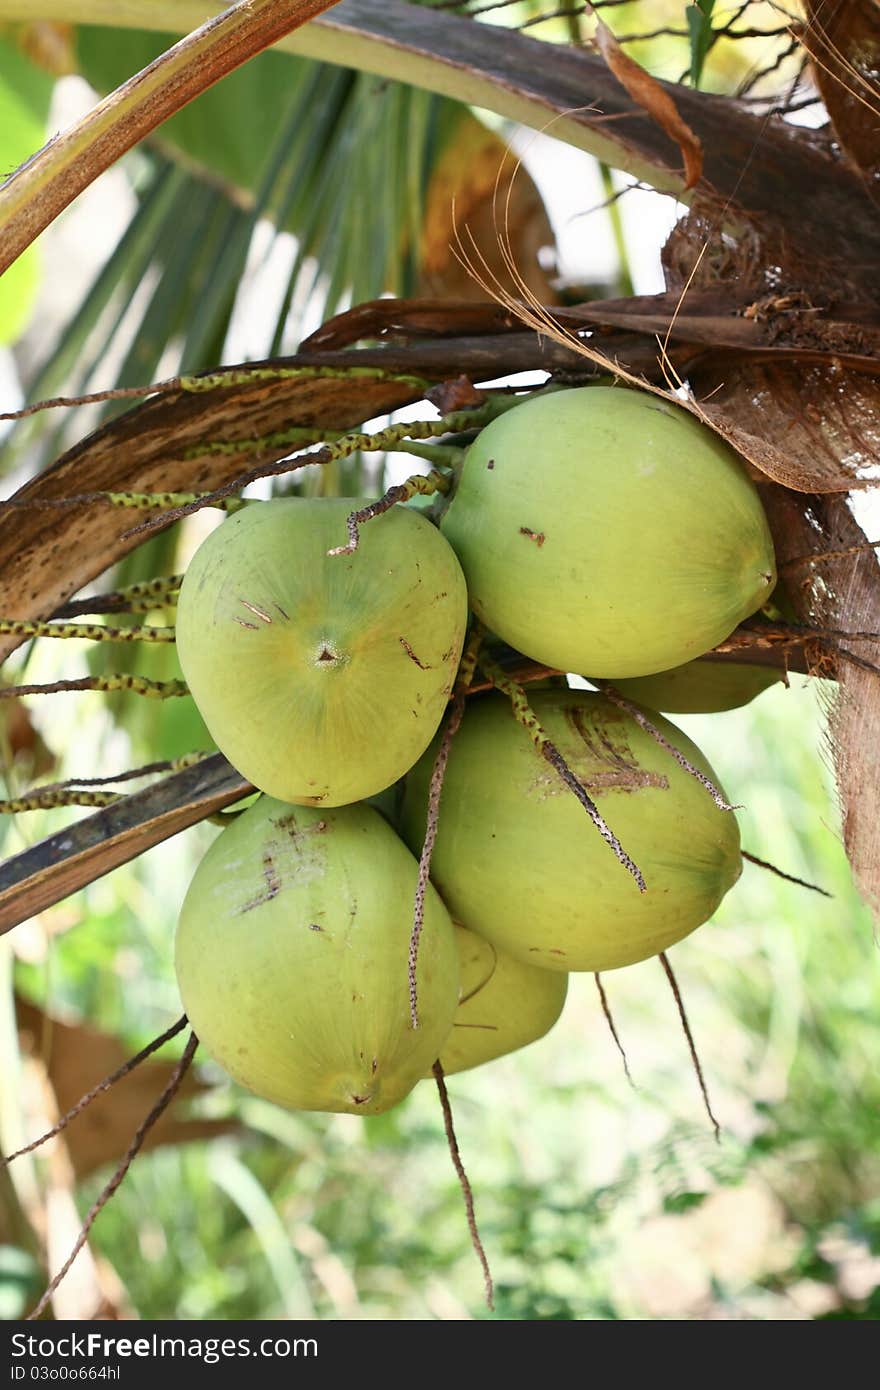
24,105
699,23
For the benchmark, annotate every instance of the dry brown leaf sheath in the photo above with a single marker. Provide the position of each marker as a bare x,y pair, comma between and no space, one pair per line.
843,41
646,92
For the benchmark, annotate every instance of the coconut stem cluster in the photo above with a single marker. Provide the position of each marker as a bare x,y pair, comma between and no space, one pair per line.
597,530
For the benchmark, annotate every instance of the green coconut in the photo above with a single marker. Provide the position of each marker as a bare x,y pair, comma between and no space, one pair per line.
322,678
701,687
517,858
291,958
505,1004
604,531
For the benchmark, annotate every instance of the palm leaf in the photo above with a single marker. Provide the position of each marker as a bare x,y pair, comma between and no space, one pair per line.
532,81
46,183
321,153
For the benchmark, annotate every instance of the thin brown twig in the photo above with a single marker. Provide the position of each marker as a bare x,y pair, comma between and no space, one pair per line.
790,878
818,555
117,393
751,82
102,1086
289,464
564,12
611,200
771,634
735,17
166,765
120,601
781,9
673,984
481,9
466,1189
130,1155
138,685
785,107
855,660
788,103
609,1019
669,31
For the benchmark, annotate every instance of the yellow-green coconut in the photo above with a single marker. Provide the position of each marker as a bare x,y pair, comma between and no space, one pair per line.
291,957
517,858
321,677
605,531
505,1004
701,687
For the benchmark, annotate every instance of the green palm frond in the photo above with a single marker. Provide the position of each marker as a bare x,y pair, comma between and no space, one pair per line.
339,159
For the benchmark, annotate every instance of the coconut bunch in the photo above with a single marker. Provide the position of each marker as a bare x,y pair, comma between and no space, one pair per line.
600,531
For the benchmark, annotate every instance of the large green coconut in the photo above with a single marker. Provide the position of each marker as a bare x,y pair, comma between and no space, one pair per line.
517,858
291,957
322,678
505,1004
604,531
701,687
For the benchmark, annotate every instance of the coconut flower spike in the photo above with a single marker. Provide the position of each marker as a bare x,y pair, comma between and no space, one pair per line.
420,485
526,717
463,681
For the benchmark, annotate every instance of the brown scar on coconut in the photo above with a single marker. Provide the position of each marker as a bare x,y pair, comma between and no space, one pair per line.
525,716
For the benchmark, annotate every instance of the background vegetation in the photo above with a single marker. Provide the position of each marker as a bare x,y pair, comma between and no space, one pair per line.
595,1199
